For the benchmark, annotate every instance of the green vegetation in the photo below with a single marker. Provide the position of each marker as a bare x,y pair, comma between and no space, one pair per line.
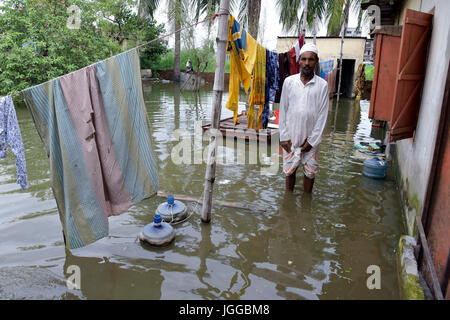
166,61
125,27
411,289
36,44
368,71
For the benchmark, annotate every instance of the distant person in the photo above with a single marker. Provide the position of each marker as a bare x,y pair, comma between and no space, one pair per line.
303,115
189,66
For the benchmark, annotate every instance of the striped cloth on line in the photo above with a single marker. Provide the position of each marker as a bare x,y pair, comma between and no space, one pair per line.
257,93
325,67
94,127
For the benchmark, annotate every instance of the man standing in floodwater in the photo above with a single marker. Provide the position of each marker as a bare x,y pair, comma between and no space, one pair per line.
303,115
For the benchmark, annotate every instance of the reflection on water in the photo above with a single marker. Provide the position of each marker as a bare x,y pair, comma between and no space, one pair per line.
303,247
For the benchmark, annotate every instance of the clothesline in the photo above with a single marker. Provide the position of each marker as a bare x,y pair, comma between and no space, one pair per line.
261,72
213,17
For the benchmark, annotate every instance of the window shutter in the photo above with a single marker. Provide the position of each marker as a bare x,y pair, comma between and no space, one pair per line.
411,69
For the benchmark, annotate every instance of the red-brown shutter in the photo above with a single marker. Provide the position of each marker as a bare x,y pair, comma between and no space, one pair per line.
411,71
384,76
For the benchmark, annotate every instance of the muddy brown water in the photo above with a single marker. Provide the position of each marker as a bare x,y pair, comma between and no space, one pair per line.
315,246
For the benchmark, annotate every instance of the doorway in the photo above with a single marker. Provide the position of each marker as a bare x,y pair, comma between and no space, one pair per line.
348,72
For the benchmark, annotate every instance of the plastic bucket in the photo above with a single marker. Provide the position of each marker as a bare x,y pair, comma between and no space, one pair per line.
375,168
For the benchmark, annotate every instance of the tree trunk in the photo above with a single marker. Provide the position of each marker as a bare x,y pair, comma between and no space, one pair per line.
140,10
176,58
254,10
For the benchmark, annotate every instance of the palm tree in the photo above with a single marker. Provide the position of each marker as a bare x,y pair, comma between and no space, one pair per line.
289,14
146,8
253,13
248,12
293,13
175,12
208,7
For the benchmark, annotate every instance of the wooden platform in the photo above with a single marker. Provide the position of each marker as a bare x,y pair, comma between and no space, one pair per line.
241,131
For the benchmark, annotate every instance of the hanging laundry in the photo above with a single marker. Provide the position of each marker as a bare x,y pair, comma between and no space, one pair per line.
297,50
288,65
283,73
10,134
294,67
294,56
298,45
94,127
332,83
242,50
271,84
325,67
257,94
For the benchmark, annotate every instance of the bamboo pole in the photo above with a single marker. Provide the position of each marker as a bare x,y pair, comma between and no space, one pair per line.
314,29
210,174
304,20
347,7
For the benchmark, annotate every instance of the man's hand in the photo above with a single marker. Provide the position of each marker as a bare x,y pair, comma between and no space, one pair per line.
286,145
305,147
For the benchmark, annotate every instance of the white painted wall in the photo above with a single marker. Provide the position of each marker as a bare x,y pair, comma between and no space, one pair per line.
415,157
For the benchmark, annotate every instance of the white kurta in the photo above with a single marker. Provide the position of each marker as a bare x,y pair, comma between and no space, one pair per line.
303,112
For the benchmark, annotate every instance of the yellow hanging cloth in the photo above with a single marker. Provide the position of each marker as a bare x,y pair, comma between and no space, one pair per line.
257,94
242,50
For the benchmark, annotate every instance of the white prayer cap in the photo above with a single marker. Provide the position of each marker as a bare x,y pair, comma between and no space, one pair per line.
309,47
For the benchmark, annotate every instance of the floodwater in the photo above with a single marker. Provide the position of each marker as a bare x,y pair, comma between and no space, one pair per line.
315,246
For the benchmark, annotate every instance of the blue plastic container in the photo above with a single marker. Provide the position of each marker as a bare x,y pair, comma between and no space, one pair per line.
172,210
375,168
157,233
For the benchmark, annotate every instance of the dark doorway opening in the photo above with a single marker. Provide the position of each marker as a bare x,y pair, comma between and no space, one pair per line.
348,72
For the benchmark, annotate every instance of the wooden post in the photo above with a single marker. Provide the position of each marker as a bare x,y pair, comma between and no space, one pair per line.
210,174
437,291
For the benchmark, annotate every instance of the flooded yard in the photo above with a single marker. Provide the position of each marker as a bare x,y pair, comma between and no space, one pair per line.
303,246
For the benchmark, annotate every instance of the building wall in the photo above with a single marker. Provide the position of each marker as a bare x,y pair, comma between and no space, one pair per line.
411,4
415,156
330,48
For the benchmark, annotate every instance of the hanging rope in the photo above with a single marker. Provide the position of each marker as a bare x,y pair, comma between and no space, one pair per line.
212,18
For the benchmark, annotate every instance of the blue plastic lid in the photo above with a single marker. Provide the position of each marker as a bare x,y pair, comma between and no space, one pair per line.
170,199
158,233
167,209
157,219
